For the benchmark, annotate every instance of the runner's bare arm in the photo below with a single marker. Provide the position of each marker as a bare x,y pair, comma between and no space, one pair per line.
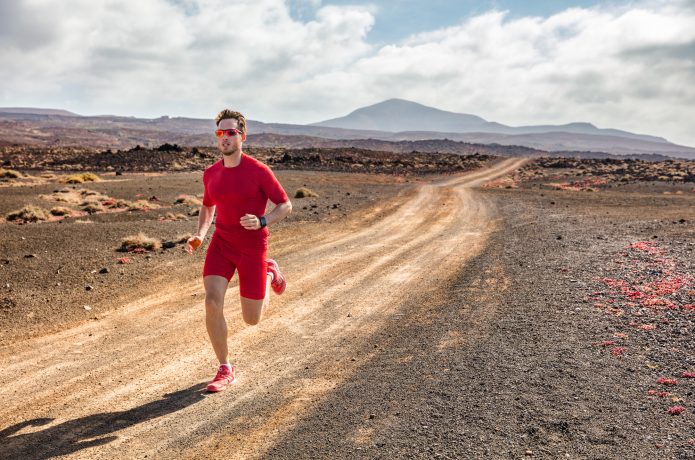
204,221
282,210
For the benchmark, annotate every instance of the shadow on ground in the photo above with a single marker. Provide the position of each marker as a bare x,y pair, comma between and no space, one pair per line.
93,430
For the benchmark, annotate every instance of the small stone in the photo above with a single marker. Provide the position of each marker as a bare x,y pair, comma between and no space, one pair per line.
372,416
529,452
104,270
30,256
168,244
87,307
89,287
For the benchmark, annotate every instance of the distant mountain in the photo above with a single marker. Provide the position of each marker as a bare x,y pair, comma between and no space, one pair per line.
30,110
398,115
51,127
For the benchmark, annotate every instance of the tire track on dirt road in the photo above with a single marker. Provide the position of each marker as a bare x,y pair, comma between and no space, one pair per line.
96,390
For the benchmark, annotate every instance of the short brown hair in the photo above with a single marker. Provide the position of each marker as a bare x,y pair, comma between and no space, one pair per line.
226,113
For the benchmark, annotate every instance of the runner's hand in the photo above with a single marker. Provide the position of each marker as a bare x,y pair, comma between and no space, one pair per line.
250,222
193,243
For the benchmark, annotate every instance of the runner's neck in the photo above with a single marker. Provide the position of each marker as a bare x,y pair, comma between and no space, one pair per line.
232,161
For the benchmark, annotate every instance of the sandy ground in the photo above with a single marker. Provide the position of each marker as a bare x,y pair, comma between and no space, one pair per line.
48,292
442,322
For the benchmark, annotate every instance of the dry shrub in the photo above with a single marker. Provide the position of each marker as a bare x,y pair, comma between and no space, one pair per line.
303,192
93,208
9,174
142,205
188,200
82,197
79,178
118,203
28,214
61,211
84,222
172,216
58,198
47,175
130,243
94,199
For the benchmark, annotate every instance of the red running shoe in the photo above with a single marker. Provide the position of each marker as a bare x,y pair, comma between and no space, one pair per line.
278,284
223,378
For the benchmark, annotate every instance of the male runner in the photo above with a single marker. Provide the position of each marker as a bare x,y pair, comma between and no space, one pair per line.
238,187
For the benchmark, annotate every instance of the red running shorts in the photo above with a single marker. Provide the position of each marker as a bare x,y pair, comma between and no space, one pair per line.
224,258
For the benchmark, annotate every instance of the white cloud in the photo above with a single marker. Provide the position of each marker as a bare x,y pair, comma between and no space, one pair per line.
627,67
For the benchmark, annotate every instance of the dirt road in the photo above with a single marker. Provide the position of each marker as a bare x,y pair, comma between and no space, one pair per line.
130,385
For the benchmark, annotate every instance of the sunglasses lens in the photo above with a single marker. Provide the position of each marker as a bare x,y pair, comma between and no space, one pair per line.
229,132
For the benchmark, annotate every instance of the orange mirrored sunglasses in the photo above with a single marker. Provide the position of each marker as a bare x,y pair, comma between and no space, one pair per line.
229,132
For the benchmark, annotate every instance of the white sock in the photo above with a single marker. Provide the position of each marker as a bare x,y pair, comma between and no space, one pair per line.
272,276
229,366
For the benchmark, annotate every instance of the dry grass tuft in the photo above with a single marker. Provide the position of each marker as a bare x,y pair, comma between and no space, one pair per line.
92,208
61,211
130,243
79,178
189,200
9,174
170,216
28,214
303,192
94,199
142,205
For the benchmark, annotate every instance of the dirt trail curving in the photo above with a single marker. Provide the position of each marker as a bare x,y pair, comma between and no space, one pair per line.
130,385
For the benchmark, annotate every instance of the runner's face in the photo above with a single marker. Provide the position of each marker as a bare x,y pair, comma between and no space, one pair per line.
229,145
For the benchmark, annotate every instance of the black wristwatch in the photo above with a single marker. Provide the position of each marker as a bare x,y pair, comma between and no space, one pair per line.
261,219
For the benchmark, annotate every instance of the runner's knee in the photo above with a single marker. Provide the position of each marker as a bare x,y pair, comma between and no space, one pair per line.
214,303
251,311
252,320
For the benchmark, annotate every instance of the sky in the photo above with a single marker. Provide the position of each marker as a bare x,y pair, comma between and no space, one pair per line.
621,64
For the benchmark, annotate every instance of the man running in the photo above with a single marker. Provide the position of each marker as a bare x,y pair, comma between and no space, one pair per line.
238,187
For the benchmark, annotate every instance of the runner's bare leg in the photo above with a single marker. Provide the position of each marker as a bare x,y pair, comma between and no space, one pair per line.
215,288
252,309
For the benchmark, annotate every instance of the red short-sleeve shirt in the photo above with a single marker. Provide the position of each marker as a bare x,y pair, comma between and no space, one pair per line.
243,189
